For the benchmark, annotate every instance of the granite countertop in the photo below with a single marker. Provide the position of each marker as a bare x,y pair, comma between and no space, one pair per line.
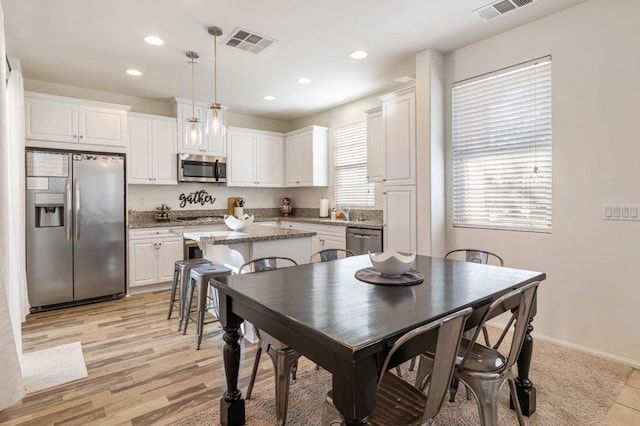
220,234
370,224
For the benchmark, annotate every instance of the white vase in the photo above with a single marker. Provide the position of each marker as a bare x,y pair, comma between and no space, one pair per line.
238,212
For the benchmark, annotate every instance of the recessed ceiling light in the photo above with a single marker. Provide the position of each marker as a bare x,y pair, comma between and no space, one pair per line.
135,73
359,54
269,98
304,80
156,41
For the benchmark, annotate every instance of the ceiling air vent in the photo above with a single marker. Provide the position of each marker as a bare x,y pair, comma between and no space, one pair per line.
500,7
248,40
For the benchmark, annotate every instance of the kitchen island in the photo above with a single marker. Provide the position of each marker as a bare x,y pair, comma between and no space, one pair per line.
223,246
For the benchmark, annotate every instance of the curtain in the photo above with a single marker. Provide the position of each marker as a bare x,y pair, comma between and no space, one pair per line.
18,300
11,275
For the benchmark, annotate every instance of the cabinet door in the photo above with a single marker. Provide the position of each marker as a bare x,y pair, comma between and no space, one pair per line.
400,135
241,161
102,126
376,149
51,120
399,212
299,159
269,161
140,151
165,163
143,262
332,242
170,250
317,244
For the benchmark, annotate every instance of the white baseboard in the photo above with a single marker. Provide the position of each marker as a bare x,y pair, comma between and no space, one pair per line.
585,349
149,288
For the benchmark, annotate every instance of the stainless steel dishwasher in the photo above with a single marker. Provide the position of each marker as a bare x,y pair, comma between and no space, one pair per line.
364,240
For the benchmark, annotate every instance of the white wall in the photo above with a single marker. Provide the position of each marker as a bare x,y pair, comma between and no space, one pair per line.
592,292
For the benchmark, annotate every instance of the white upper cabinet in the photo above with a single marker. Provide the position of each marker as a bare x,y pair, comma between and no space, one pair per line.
399,123
306,152
68,120
376,146
256,158
270,159
212,145
152,150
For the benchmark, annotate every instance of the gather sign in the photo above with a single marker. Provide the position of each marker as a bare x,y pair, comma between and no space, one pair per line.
201,197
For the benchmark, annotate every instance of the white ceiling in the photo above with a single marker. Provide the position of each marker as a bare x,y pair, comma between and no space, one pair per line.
90,44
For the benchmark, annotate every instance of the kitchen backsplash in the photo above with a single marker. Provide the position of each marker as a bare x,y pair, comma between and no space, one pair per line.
148,197
149,215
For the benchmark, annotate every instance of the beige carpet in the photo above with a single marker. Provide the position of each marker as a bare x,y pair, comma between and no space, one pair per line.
573,389
54,366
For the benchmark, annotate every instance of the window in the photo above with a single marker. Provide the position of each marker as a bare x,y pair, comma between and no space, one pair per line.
350,186
502,149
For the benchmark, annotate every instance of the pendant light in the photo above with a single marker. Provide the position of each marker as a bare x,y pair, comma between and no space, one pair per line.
193,127
216,117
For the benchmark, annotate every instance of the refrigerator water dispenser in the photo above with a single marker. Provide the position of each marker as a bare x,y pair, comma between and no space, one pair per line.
49,210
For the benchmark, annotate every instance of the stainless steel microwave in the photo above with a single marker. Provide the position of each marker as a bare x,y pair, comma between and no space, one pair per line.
202,168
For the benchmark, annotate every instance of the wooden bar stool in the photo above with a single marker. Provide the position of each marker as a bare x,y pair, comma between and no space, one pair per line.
180,277
199,277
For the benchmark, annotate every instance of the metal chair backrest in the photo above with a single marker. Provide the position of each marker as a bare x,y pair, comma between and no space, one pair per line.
327,255
525,297
267,263
449,331
476,256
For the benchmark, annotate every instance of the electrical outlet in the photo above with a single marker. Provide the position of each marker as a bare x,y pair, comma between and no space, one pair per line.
141,200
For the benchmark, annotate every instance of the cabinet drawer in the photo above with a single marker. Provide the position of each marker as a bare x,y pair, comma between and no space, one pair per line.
336,232
135,234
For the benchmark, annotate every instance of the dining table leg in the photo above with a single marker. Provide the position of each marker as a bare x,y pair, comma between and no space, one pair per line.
355,391
232,410
525,389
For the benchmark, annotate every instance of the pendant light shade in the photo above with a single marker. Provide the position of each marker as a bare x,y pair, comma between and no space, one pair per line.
193,126
216,115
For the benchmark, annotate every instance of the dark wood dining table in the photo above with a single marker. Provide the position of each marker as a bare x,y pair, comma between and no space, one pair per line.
347,326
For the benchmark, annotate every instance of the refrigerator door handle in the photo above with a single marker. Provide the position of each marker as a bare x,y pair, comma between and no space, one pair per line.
76,187
67,219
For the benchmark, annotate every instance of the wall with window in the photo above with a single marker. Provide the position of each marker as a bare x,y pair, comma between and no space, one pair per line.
590,298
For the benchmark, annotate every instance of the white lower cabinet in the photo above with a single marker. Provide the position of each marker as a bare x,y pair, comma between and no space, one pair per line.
327,236
152,256
399,217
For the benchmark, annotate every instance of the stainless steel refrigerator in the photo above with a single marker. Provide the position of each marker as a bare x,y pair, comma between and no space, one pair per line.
75,219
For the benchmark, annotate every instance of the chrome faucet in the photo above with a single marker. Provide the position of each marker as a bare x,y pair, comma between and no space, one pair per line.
345,214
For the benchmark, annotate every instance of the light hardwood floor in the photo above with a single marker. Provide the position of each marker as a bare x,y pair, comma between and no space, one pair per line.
141,370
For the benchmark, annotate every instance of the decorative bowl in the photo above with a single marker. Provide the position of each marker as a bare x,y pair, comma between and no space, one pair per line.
238,224
392,263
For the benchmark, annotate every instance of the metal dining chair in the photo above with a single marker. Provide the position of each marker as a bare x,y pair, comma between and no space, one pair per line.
475,256
484,369
284,358
400,403
329,254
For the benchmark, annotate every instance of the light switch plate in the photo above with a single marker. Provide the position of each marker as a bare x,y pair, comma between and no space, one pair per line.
622,212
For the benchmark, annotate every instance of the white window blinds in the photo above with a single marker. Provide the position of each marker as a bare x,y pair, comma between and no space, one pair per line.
350,186
502,149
